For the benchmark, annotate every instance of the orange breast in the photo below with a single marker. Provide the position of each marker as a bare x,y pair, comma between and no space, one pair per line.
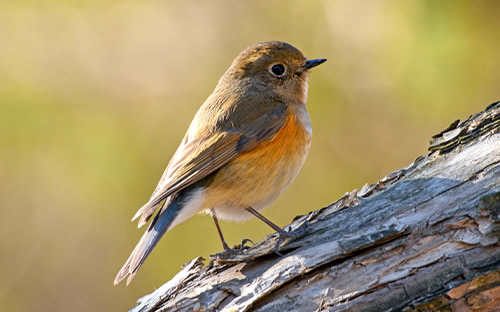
257,177
289,139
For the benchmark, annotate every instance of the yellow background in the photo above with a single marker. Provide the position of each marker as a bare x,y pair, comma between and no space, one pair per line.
95,96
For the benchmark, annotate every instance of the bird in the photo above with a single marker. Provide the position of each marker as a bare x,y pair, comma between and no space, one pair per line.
244,146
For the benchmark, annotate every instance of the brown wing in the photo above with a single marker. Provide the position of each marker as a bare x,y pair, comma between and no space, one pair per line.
199,158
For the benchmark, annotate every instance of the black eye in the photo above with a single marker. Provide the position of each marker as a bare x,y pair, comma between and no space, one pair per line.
278,70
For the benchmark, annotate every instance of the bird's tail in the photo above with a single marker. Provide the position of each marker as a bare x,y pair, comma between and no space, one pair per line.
161,223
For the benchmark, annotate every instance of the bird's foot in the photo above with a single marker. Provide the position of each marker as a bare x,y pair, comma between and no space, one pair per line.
242,245
286,237
228,251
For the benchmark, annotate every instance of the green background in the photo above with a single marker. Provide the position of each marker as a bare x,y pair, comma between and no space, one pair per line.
95,97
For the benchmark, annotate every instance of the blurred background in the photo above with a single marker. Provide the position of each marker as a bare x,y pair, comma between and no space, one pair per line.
96,95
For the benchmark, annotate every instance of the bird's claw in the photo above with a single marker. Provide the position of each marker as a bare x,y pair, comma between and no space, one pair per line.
285,237
228,252
242,245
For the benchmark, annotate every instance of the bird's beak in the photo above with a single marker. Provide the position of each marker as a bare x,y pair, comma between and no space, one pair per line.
312,63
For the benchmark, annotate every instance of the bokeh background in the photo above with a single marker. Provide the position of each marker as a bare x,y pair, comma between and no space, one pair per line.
96,95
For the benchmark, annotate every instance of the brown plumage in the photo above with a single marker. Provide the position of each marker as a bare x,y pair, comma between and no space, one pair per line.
245,145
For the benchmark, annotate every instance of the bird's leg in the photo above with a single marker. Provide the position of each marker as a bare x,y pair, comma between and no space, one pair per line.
216,221
282,233
269,222
228,251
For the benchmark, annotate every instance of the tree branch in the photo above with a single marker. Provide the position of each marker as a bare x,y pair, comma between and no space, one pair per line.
423,238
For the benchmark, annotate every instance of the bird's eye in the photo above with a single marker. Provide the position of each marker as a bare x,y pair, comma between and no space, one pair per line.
278,70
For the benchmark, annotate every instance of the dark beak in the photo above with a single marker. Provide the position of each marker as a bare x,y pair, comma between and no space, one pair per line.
312,63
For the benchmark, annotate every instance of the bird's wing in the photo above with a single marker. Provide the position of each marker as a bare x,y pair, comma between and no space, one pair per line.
196,160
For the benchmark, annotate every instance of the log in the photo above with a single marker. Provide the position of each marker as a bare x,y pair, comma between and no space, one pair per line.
423,238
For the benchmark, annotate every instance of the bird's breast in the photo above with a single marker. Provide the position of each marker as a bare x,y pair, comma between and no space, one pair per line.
256,178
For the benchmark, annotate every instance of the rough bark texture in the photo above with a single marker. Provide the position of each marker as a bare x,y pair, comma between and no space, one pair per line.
424,238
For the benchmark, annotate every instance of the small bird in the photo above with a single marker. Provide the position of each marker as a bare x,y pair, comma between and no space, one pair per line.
245,145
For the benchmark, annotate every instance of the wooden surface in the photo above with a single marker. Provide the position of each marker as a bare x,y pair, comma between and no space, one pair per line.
424,238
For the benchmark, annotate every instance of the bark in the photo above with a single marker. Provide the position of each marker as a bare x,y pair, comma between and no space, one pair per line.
423,238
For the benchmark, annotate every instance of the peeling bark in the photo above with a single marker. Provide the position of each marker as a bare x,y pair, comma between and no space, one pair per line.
423,238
